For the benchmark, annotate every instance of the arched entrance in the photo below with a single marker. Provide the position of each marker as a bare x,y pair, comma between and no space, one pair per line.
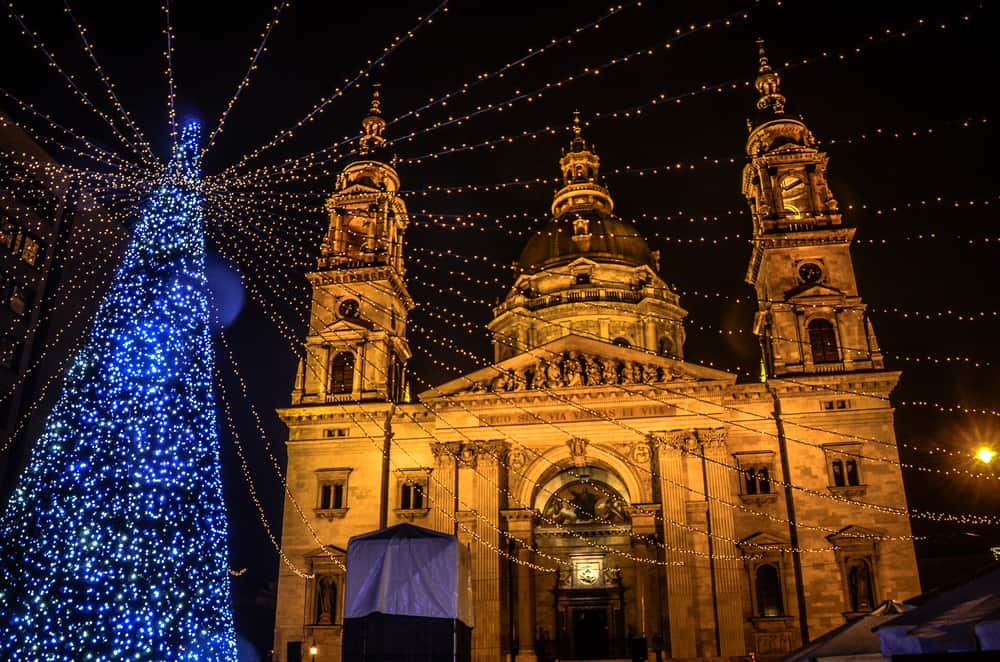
585,522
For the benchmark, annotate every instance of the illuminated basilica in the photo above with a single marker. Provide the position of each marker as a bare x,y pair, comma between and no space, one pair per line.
618,502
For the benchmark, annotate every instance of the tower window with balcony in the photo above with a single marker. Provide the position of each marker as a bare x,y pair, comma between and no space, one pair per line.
331,492
756,476
823,341
844,468
342,373
412,491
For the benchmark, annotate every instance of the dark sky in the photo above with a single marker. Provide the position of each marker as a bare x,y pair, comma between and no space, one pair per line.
873,84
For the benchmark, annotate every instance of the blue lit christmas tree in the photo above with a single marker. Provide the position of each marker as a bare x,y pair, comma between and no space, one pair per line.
113,545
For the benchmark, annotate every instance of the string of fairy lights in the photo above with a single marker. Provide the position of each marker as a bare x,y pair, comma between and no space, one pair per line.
245,81
238,228
146,152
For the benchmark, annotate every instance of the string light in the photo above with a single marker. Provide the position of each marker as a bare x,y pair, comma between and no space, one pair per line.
168,54
245,81
318,109
147,151
70,82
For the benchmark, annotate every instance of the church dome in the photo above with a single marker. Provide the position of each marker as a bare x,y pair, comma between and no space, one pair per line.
600,238
583,224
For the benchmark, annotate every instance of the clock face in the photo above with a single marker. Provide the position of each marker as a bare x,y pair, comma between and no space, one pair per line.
348,308
810,272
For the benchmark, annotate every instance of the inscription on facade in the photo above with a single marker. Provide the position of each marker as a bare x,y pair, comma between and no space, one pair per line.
576,415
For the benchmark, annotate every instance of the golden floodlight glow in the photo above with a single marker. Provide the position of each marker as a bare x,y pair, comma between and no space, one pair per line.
985,454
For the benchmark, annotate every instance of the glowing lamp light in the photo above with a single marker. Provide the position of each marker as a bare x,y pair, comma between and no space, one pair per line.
985,454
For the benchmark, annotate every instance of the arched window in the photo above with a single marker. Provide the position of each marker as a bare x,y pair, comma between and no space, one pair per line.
768,589
621,342
342,373
665,346
823,341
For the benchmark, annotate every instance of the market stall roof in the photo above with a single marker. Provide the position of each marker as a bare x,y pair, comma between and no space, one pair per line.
408,570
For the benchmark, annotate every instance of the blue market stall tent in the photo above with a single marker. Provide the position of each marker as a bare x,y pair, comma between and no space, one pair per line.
408,597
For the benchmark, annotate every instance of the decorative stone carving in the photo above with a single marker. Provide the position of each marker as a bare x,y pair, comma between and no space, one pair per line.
516,460
640,453
575,369
577,447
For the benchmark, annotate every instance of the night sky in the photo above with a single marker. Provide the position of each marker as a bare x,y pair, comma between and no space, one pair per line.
924,204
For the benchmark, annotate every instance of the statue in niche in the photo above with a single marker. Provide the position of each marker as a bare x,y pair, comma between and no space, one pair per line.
860,580
573,375
636,372
326,599
649,373
592,371
610,372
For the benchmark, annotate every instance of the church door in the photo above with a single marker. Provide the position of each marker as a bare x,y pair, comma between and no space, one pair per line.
590,633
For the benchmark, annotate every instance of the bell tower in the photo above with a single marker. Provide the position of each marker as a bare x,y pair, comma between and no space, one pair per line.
810,318
357,347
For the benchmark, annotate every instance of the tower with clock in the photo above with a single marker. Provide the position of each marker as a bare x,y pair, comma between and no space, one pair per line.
356,348
810,316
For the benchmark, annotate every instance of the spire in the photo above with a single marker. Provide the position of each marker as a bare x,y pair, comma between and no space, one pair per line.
373,125
768,83
577,144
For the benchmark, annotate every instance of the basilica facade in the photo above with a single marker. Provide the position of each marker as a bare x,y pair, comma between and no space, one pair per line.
618,502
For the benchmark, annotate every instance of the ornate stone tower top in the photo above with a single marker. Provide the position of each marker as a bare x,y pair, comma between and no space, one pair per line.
580,166
785,181
810,317
367,216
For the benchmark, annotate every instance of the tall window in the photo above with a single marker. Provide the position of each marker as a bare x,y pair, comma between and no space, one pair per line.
757,480
412,496
342,373
768,588
845,473
823,341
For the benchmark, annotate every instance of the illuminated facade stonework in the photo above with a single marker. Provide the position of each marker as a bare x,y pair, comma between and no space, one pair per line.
613,496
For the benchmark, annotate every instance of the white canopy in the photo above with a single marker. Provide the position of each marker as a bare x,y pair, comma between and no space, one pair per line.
407,570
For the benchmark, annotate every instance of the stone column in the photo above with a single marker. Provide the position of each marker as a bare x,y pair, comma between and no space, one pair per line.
680,585
443,487
520,525
728,576
643,518
479,484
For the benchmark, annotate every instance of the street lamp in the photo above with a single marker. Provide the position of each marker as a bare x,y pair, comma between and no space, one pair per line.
985,454
314,650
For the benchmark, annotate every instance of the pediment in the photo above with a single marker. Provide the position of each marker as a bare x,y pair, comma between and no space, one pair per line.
576,362
762,539
812,290
346,325
854,534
